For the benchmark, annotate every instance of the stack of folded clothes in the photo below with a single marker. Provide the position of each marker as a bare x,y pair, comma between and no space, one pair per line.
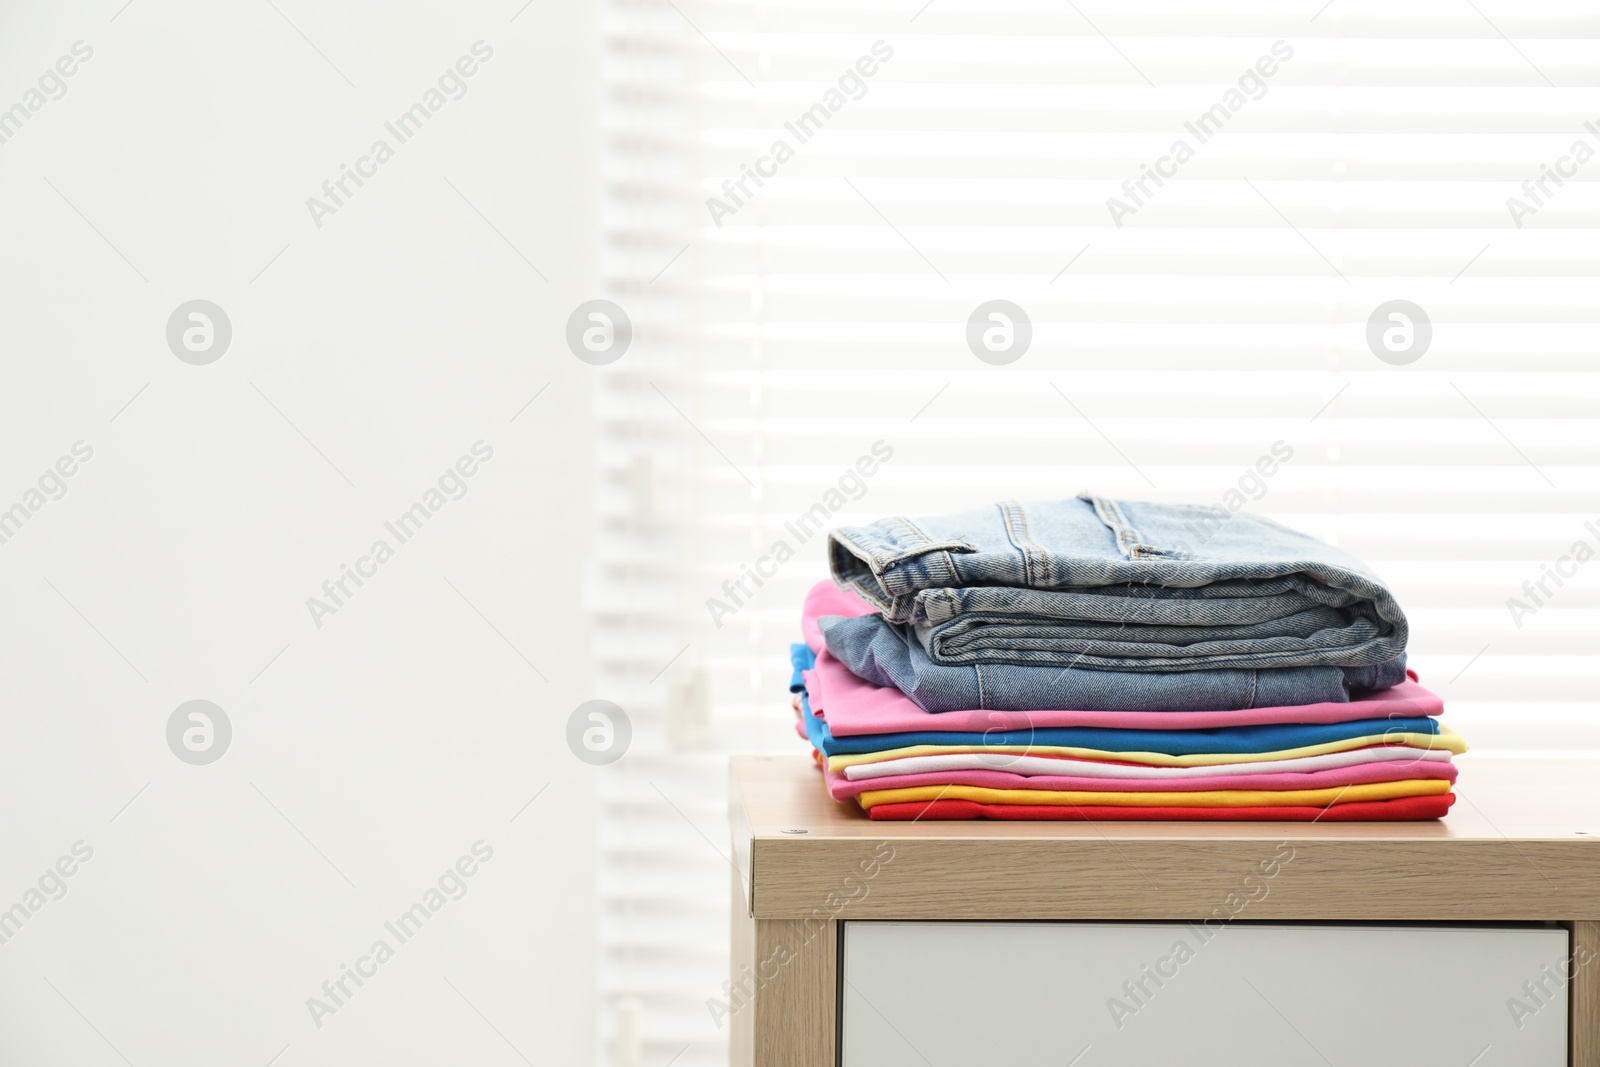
1100,659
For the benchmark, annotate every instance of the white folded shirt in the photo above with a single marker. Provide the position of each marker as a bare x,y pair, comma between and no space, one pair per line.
1078,768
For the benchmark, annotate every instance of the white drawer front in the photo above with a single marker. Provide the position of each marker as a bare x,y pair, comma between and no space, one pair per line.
920,994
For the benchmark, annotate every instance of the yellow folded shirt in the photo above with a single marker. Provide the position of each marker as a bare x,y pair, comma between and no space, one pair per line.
1214,798
1446,738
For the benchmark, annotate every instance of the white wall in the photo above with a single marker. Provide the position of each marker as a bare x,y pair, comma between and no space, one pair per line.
378,747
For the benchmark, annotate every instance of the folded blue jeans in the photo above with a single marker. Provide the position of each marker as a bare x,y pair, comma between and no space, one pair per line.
1272,737
885,653
1094,584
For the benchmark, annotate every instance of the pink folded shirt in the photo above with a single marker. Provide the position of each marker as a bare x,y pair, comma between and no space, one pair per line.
841,788
851,706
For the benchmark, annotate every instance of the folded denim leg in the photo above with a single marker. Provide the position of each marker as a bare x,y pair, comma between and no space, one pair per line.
885,654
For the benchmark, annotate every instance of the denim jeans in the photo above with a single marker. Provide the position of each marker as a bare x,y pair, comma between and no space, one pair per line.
885,653
1093,584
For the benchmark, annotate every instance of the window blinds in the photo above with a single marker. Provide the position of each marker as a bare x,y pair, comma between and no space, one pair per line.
1191,311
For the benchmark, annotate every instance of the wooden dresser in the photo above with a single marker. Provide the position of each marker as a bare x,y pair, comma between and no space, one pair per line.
1471,941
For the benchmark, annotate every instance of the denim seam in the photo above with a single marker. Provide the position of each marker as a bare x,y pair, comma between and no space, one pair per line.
874,559
1004,507
915,531
1031,549
883,563
1131,541
1034,548
949,563
1016,524
1138,547
1111,515
1250,694
983,699
909,532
